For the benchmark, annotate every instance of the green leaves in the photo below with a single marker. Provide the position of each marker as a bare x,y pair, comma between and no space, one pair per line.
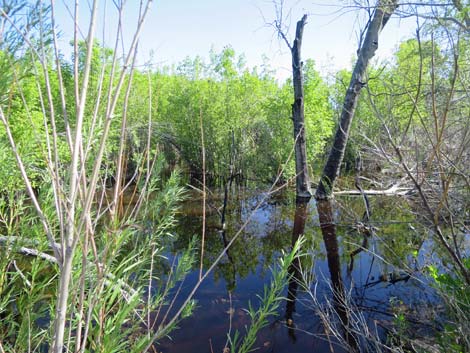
455,293
269,303
245,115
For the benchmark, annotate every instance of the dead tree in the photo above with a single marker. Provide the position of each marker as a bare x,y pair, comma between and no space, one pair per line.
382,14
303,191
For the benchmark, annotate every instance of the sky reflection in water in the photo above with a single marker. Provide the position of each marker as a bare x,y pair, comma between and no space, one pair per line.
377,282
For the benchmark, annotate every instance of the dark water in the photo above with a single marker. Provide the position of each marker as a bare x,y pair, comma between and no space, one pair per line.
384,281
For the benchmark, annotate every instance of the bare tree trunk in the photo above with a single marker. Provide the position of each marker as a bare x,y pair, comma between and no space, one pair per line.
62,300
367,50
303,191
302,180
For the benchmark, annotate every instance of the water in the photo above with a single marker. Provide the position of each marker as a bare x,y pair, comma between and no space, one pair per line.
385,280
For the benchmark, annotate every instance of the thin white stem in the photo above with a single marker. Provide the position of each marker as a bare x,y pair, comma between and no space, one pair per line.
203,191
29,187
110,114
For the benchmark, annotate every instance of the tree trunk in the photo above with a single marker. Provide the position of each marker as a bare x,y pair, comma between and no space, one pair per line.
303,191
367,50
62,300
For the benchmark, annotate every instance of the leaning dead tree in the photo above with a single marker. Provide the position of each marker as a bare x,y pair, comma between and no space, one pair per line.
303,191
366,52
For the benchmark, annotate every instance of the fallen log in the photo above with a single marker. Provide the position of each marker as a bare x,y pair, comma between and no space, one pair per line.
393,191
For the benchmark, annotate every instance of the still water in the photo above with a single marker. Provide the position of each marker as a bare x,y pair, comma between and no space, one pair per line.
382,282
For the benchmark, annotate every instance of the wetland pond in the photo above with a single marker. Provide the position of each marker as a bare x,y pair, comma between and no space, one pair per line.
383,281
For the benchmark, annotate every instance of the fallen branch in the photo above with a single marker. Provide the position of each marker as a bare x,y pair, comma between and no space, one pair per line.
126,290
28,251
393,191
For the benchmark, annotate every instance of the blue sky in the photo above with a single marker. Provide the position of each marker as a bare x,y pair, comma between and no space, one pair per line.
176,29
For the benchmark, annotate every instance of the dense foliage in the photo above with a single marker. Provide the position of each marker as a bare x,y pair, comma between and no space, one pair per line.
94,153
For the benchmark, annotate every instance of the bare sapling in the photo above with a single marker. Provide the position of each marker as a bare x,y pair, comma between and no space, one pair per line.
73,222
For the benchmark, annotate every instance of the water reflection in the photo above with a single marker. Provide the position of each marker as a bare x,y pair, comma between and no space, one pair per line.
294,270
274,227
328,228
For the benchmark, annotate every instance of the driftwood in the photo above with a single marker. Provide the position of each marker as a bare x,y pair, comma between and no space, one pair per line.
393,191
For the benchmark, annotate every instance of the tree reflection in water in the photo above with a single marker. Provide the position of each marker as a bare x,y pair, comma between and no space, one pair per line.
248,261
294,270
328,228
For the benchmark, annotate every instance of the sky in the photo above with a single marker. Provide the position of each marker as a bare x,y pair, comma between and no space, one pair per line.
176,29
